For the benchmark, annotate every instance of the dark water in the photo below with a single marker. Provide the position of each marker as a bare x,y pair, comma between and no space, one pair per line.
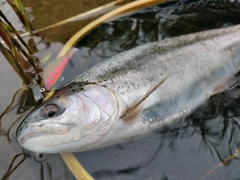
204,146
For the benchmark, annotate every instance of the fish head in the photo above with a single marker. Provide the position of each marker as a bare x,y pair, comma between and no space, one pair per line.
70,122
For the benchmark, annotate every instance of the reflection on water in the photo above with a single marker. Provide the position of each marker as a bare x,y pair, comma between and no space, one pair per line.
45,13
204,146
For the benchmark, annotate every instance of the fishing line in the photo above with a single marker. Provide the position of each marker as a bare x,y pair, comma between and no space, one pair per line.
23,100
10,170
8,107
28,113
41,172
8,131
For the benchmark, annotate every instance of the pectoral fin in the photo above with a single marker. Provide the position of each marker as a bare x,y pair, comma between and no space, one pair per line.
226,84
135,109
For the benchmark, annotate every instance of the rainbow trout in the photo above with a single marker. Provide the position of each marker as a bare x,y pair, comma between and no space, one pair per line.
134,93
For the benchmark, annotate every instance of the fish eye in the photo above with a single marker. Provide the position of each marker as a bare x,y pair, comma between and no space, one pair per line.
50,111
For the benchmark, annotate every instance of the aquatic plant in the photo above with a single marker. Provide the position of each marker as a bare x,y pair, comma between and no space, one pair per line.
19,54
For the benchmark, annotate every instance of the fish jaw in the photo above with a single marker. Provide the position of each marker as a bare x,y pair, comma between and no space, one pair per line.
33,141
86,118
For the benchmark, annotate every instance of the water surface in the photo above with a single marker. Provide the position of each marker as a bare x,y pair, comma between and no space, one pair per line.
191,149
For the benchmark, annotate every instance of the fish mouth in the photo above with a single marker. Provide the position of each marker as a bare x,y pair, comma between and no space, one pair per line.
33,131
